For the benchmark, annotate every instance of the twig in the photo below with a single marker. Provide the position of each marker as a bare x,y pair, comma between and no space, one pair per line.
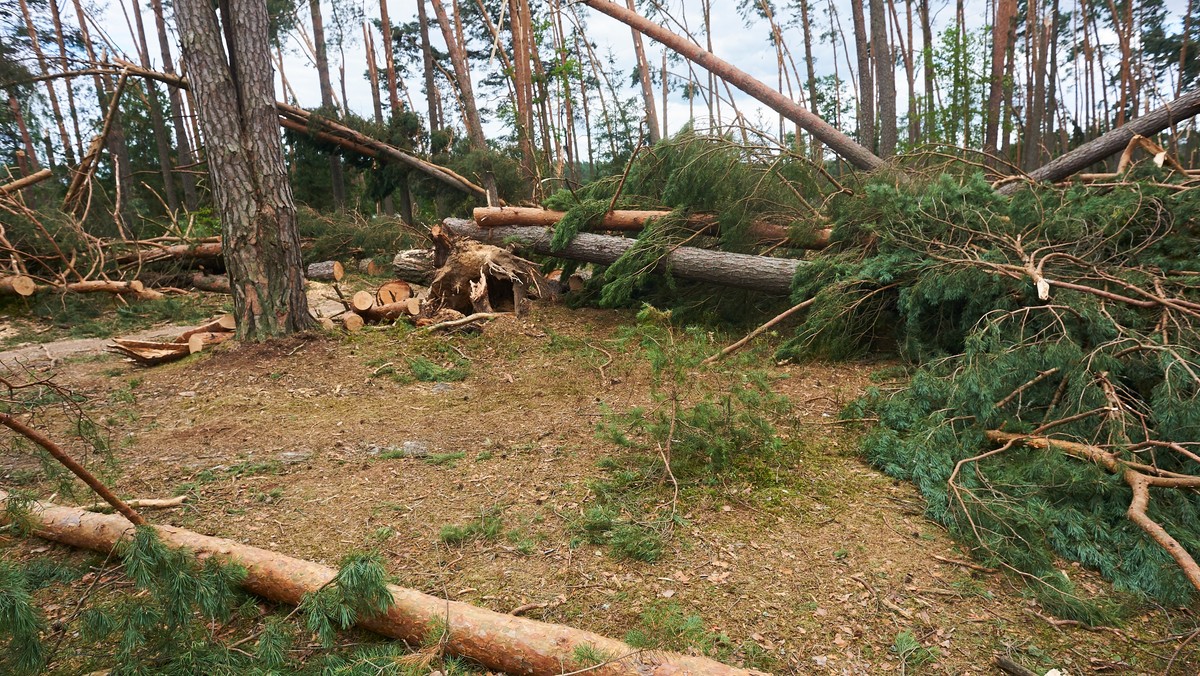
756,332
965,564
139,503
478,316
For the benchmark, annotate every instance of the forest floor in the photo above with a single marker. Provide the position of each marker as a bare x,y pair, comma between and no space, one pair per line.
317,446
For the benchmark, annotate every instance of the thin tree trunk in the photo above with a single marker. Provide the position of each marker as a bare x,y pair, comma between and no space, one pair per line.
388,57
927,66
26,139
462,74
431,97
1006,11
643,67
258,217
1051,41
522,79
183,146
866,80
51,92
810,67
62,60
885,79
162,141
336,178
1036,97
836,140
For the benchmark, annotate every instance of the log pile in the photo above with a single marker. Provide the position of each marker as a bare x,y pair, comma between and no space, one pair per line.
325,271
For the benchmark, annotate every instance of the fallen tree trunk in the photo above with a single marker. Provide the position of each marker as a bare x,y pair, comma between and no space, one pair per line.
17,285
759,273
153,254
837,141
634,220
299,119
25,182
1182,108
211,283
325,271
414,265
132,287
498,641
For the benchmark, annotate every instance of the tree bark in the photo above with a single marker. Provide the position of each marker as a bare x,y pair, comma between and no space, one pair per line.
866,80
427,65
836,140
462,73
60,39
758,273
389,59
643,66
1006,12
633,221
25,182
51,92
1179,110
336,178
499,641
183,145
885,79
237,112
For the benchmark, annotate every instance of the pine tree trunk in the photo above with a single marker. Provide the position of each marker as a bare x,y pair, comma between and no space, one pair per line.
1006,11
236,105
336,179
62,60
1036,93
522,78
462,74
810,66
431,96
885,79
183,145
162,141
927,66
389,59
643,67
51,92
26,140
866,81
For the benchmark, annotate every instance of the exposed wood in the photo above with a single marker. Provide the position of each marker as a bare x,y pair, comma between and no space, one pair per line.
1179,110
132,287
760,273
222,324
414,265
362,301
498,641
326,323
198,341
393,292
17,285
372,267
463,321
128,514
149,252
837,141
138,503
25,182
325,271
149,353
352,322
385,313
627,220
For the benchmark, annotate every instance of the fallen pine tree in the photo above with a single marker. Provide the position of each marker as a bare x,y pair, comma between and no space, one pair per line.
758,273
499,641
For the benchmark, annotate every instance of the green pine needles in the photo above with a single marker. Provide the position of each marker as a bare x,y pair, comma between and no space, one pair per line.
1070,313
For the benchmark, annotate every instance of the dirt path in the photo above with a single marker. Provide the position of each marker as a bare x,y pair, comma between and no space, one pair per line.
55,352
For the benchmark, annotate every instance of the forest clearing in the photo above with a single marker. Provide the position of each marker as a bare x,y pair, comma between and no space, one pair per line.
704,357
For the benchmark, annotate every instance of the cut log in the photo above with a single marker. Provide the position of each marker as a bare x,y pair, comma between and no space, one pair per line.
384,313
1182,108
626,220
211,283
326,323
393,292
362,301
17,285
352,322
222,324
25,182
372,267
199,341
414,265
414,306
325,271
136,503
759,273
499,641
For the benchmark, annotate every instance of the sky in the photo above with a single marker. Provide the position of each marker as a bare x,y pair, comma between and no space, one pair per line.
749,48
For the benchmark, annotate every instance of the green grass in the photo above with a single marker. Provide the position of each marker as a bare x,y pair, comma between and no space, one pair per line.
486,527
427,371
99,316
